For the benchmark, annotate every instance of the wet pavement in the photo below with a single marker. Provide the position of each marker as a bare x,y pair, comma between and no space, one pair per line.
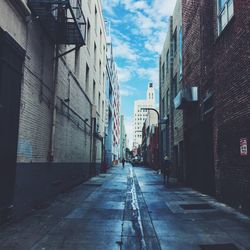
130,209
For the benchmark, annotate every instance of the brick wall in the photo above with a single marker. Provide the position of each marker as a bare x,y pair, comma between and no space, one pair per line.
218,64
232,76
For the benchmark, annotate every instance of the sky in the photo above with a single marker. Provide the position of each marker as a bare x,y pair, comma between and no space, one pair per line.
138,31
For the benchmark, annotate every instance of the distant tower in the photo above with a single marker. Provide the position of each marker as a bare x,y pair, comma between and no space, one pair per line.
140,115
151,93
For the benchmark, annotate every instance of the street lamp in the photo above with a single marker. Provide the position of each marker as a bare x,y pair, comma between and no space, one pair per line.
146,109
165,119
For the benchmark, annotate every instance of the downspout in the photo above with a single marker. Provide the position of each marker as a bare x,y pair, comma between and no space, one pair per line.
53,124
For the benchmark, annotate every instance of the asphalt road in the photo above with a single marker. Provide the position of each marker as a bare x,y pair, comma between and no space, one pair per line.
130,209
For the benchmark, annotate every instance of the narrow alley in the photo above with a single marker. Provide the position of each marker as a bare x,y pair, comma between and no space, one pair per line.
129,208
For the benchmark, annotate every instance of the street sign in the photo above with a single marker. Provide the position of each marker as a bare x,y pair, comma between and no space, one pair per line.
243,146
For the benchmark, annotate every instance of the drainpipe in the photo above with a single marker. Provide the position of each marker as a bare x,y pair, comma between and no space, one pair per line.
53,124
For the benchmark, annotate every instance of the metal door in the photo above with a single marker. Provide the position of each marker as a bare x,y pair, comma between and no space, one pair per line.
200,159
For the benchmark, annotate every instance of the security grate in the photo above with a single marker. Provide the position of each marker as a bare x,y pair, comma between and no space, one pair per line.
198,206
228,246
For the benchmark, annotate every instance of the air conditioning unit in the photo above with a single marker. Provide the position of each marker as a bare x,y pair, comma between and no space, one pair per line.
185,96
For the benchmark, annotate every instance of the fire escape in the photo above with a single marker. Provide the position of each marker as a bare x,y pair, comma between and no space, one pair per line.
63,20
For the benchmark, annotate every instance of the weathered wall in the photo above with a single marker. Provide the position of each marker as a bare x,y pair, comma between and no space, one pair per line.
218,64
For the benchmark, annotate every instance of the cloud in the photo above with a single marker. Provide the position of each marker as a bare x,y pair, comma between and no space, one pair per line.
124,50
124,74
155,43
152,74
127,90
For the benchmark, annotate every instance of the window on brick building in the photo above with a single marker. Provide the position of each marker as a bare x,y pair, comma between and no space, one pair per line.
225,13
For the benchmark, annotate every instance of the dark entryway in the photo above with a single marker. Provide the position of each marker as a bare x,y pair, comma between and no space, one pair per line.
199,156
11,65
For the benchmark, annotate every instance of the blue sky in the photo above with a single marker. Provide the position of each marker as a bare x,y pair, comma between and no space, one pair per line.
138,30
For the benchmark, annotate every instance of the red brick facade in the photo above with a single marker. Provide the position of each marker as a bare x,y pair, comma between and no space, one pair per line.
219,66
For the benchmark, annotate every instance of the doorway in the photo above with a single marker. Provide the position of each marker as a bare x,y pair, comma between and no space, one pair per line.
200,172
11,68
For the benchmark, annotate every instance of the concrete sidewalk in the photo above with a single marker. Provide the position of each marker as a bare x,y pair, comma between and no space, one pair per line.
129,209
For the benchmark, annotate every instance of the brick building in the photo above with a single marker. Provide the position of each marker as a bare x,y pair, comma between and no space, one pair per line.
216,99
52,98
150,140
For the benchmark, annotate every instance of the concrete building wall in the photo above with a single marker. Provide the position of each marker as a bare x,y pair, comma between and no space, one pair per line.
75,155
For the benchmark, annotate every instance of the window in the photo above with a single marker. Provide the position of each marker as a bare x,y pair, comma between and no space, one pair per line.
101,40
163,105
94,86
225,13
95,19
99,102
102,109
95,55
88,34
104,53
180,54
87,78
167,62
77,61
175,86
167,101
174,42
100,72
163,73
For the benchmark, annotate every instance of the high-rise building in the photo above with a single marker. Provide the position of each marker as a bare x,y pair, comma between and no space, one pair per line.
112,127
123,138
140,114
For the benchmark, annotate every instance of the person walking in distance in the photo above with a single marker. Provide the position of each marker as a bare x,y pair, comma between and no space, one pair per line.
166,168
123,162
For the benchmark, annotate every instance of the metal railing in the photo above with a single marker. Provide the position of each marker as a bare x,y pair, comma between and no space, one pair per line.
63,20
